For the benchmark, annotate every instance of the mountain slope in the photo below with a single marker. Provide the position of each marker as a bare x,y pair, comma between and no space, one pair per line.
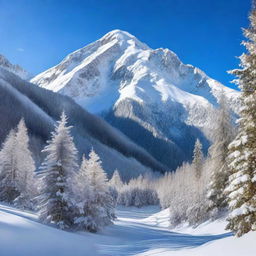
15,69
41,108
150,95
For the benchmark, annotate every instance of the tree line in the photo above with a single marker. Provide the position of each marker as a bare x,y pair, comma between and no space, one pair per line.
69,196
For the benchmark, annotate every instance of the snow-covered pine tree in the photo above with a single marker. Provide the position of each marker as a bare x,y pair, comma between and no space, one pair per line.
25,179
102,206
57,172
116,181
83,194
241,187
218,152
8,169
198,158
115,185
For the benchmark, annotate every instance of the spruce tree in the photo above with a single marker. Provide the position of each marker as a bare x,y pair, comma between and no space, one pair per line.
241,187
8,169
83,194
218,153
198,158
17,168
115,186
25,175
116,181
102,205
57,172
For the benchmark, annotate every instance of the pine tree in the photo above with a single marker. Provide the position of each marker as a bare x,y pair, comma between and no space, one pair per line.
116,181
25,179
198,158
57,172
102,206
17,169
83,194
115,186
241,187
8,169
218,152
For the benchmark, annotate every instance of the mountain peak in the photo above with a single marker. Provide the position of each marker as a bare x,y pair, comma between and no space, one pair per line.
123,38
119,34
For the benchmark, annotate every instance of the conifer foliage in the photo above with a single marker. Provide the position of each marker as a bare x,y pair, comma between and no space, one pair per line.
102,205
57,172
116,180
17,181
25,177
8,169
218,153
241,187
95,203
83,193
198,158
115,185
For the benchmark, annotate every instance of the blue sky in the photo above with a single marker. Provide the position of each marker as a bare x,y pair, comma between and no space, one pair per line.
38,34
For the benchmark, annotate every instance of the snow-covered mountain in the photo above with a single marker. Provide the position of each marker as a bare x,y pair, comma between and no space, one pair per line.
150,95
16,69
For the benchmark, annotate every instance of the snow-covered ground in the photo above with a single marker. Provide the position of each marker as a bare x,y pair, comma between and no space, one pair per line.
145,232
141,232
22,235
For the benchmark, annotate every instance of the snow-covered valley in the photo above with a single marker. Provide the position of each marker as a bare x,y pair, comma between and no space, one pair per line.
137,231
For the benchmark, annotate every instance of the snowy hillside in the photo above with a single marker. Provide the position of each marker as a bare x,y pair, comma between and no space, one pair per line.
136,232
150,95
19,98
16,69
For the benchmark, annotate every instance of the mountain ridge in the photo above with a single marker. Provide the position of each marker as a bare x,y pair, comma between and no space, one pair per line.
13,68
